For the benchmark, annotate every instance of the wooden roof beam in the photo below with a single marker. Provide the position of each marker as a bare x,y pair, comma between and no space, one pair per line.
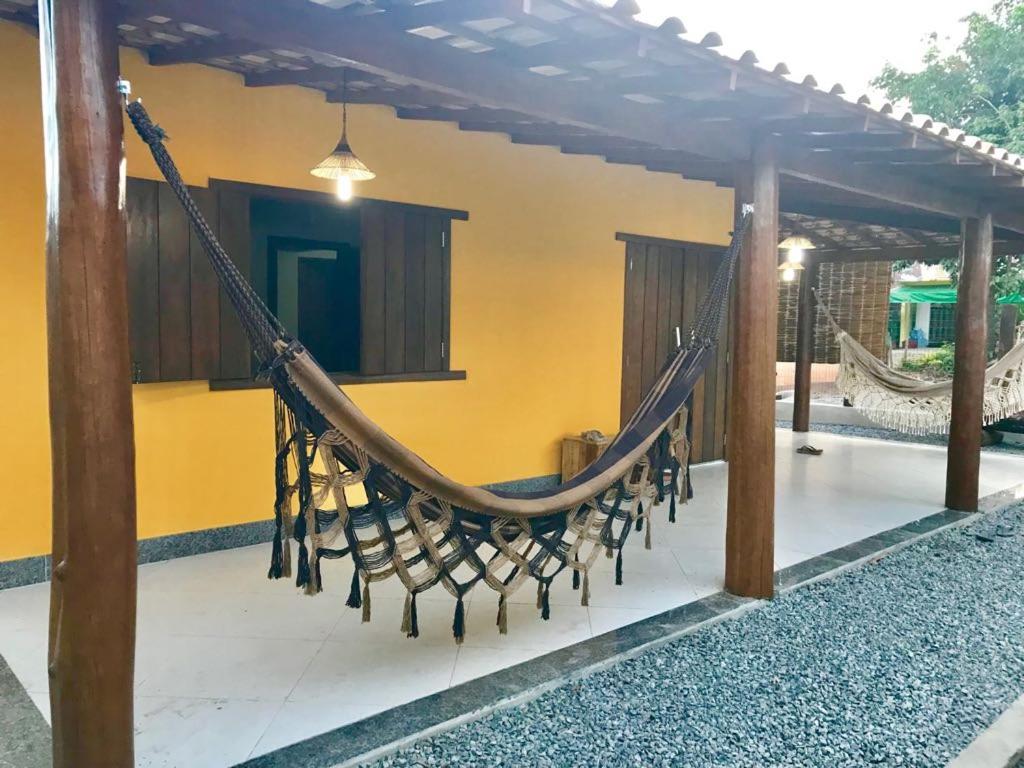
551,131
808,206
407,98
798,227
458,12
447,12
375,46
859,140
716,172
163,56
674,81
930,156
977,174
881,185
470,114
654,155
577,54
750,109
894,188
314,74
817,124
928,253
600,145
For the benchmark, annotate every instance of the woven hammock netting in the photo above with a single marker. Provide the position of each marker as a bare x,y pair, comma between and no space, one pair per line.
907,404
420,526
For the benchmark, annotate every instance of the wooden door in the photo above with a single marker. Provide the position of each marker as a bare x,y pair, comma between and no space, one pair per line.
665,282
318,321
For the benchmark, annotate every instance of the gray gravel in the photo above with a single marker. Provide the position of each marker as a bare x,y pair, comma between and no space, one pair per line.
888,434
899,663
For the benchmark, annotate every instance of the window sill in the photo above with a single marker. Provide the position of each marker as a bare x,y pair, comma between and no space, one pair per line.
224,385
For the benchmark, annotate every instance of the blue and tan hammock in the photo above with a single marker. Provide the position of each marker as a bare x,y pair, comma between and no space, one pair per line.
421,526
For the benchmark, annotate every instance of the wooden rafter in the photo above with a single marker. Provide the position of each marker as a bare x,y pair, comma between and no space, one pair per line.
599,145
817,124
550,132
401,98
662,91
374,46
470,114
859,140
924,156
890,187
198,52
925,253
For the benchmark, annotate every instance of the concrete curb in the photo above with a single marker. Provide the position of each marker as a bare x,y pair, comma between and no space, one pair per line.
1001,745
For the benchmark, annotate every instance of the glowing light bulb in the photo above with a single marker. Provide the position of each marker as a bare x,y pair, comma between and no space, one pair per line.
796,255
789,275
344,189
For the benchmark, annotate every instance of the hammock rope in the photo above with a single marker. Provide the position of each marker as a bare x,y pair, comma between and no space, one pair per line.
907,404
420,526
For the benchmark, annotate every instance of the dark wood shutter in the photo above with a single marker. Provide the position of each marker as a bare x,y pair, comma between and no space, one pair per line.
182,327
205,296
235,237
665,283
143,214
405,291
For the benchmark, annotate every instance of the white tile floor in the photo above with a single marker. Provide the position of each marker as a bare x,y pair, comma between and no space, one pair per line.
230,665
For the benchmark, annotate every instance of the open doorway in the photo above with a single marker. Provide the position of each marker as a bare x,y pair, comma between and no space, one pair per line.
314,291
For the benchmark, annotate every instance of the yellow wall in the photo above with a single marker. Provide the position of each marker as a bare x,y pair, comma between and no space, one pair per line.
537,283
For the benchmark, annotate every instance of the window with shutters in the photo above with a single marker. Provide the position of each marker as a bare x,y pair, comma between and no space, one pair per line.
366,286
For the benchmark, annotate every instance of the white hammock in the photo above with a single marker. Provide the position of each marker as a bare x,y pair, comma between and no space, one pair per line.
897,401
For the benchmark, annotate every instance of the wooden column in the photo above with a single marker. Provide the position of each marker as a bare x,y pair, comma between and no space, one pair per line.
807,312
92,606
750,529
1007,328
963,458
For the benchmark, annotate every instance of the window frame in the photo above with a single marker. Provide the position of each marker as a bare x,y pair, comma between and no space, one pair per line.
289,194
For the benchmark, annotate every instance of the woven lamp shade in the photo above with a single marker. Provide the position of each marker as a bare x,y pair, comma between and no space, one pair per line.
796,242
343,162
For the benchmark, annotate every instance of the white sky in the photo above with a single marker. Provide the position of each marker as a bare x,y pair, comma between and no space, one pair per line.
845,41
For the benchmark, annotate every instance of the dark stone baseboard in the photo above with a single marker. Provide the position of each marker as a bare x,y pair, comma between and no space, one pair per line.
32,570
27,570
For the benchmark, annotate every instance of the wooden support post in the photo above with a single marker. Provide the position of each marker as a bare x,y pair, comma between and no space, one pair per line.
92,603
963,459
750,528
1007,328
807,313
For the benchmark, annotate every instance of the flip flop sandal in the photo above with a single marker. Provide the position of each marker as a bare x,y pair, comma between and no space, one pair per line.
810,450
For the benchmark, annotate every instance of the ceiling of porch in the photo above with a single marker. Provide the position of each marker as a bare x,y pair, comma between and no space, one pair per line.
591,79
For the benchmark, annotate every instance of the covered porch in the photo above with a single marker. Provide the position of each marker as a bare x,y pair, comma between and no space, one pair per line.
577,76
230,668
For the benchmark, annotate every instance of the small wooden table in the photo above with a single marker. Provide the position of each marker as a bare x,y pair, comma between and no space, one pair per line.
579,453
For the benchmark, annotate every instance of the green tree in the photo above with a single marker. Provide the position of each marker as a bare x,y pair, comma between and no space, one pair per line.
980,89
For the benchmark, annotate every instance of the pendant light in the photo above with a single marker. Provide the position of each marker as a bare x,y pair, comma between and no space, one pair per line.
795,248
342,165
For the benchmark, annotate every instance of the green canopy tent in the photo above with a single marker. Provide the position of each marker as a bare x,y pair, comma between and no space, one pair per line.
938,294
